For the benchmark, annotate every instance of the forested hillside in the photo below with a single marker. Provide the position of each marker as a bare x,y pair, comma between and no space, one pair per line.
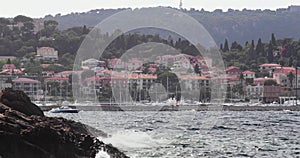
240,26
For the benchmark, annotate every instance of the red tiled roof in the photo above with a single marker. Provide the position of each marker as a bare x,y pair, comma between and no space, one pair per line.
85,67
199,57
10,71
203,66
152,69
153,65
286,70
48,72
45,48
94,78
192,77
270,65
25,80
262,80
57,79
11,66
234,79
46,65
248,72
136,60
65,72
231,68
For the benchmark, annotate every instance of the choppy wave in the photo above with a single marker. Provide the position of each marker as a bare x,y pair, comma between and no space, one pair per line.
132,139
102,154
185,134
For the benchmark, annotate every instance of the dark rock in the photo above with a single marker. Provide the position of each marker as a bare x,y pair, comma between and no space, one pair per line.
19,101
30,134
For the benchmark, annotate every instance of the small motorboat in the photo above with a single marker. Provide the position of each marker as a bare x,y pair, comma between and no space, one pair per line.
64,109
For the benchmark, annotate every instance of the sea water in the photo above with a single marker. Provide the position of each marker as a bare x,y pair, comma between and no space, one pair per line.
179,134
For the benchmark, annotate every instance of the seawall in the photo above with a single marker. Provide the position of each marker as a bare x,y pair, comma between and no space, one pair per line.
179,108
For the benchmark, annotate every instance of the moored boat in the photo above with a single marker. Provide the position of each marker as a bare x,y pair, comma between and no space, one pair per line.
64,109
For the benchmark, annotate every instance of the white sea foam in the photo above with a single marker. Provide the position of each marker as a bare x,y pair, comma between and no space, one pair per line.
131,139
102,154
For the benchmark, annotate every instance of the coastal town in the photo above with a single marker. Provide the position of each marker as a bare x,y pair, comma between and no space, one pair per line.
98,76
38,58
120,79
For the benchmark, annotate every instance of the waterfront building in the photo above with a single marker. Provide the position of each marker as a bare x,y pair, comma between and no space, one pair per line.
29,86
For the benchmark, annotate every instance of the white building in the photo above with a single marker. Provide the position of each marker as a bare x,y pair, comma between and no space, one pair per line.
248,75
254,91
269,67
29,86
47,53
92,63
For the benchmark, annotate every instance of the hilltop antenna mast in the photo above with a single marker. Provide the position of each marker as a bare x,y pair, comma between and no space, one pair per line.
180,4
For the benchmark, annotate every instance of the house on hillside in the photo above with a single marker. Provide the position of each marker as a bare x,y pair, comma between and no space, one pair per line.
248,74
8,67
7,57
92,63
117,63
46,53
134,63
269,67
64,74
233,71
11,69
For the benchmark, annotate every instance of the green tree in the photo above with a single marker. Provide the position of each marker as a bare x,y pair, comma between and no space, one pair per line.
87,74
170,81
236,46
226,47
270,53
197,70
50,27
22,18
55,68
34,70
273,39
24,50
260,51
251,53
8,61
291,77
85,30
270,83
27,31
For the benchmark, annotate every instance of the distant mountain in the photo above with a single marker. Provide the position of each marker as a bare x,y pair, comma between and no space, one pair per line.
234,25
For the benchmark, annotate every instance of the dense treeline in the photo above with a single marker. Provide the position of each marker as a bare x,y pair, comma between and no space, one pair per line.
17,38
236,25
127,41
285,52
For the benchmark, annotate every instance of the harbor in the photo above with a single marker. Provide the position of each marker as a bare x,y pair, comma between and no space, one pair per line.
179,108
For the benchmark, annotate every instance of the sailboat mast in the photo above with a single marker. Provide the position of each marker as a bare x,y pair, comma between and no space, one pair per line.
167,86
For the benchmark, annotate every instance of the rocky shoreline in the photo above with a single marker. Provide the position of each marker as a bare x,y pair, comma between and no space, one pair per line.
26,132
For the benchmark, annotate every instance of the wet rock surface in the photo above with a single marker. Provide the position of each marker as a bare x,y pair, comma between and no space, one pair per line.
28,133
19,101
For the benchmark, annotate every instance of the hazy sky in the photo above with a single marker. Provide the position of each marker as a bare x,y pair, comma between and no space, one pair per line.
40,8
